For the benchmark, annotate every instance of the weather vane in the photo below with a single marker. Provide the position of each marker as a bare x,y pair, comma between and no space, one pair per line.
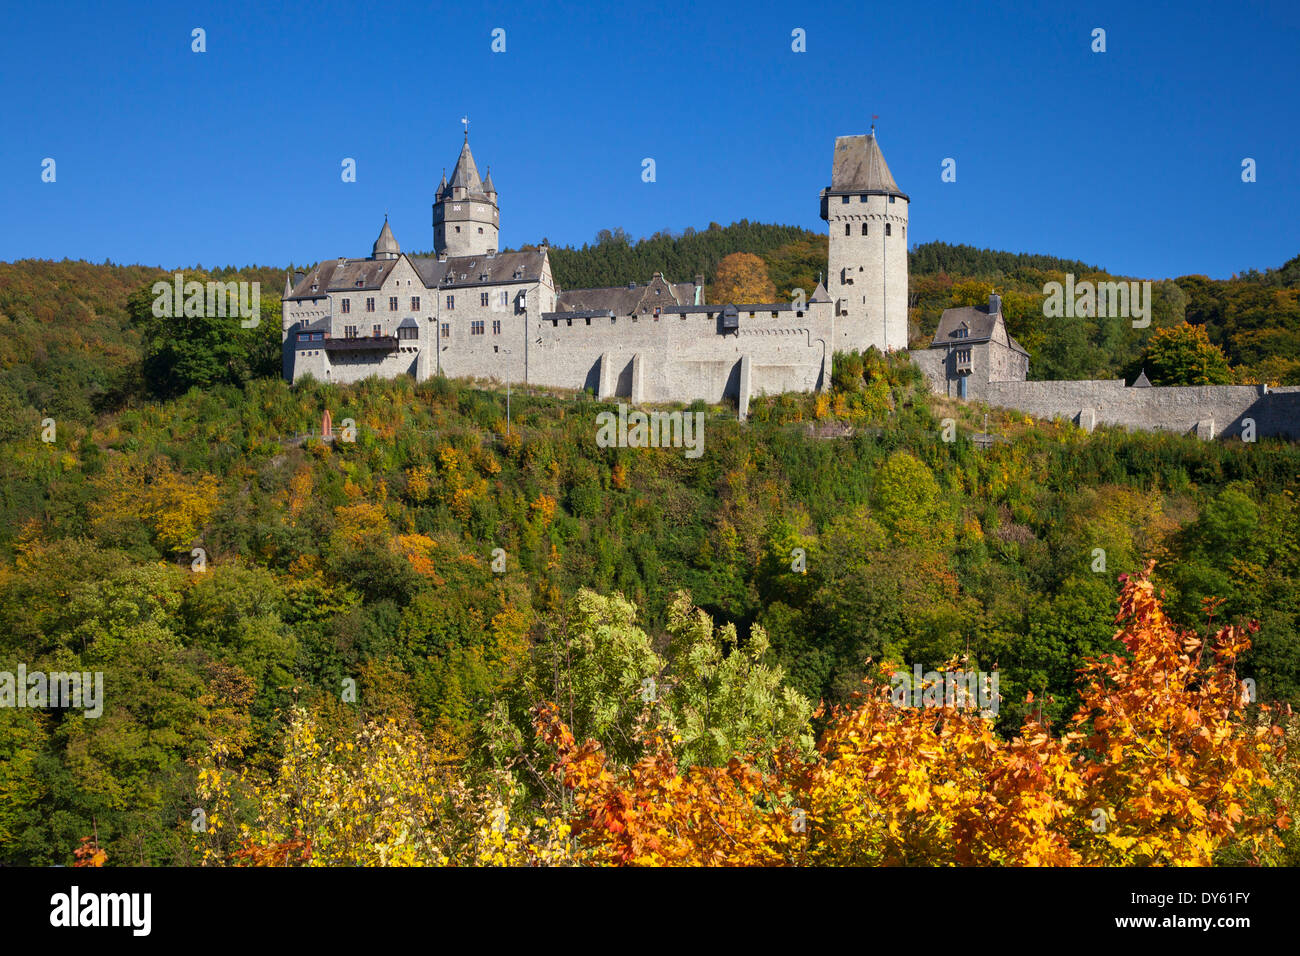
465,120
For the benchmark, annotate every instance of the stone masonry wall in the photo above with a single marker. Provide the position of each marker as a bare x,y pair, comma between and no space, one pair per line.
1208,410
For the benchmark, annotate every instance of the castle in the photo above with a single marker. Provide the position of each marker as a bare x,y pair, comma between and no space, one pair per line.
472,311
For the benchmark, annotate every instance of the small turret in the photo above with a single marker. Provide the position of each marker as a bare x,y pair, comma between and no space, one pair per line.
386,246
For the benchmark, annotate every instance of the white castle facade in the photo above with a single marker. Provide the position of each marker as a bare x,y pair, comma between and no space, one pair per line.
472,311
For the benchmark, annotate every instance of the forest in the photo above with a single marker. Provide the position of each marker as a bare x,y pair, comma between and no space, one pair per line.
450,641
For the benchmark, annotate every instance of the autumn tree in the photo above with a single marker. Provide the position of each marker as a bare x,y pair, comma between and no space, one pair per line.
1184,355
742,277
1161,765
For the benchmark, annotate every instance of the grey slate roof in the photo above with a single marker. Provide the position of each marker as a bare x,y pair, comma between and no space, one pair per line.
1141,381
386,241
466,173
622,300
469,270
859,167
343,275
979,324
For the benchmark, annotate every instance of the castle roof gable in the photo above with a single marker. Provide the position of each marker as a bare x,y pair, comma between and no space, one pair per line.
979,325
629,299
344,275
498,269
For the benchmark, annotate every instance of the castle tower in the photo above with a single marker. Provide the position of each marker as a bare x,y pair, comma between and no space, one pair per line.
385,246
867,216
466,220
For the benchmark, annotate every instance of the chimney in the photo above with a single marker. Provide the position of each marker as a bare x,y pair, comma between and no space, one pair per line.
995,303
699,280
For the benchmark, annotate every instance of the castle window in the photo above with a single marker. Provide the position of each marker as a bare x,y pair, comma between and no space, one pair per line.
392,303
349,331
848,229
862,198
415,303
555,323
864,228
891,199
589,320
446,330
496,326
347,306
406,333
375,331
370,304
888,230
845,199
483,298
505,297
451,302
458,228
480,230
476,328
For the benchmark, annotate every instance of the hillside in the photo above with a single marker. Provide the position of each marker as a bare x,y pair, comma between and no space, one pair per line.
373,562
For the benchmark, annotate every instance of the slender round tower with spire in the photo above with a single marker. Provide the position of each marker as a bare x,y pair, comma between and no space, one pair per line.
466,219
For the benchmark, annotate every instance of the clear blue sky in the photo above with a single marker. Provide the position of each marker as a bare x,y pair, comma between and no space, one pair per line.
1130,159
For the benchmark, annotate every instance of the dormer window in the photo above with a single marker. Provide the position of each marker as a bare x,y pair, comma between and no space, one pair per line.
962,332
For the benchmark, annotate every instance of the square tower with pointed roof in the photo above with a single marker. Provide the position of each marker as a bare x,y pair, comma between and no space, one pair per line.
867,216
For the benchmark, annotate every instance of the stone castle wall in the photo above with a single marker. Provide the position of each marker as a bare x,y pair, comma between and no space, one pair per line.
1209,411
680,358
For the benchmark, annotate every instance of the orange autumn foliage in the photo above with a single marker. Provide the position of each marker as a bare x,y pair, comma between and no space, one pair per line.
1162,766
